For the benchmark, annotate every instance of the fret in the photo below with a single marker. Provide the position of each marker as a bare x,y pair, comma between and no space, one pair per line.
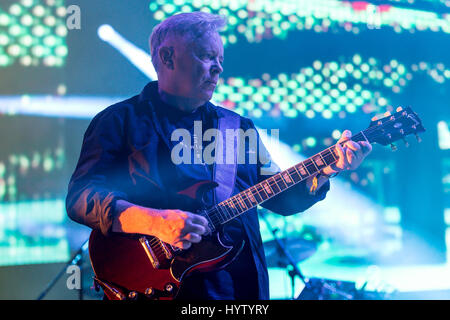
281,178
328,157
264,191
334,153
267,188
236,205
318,161
303,171
287,178
224,212
221,215
311,167
241,202
247,202
275,187
294,174
251,197
232,206
210,217
257,195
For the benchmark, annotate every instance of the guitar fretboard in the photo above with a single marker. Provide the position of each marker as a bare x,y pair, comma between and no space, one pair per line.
266,189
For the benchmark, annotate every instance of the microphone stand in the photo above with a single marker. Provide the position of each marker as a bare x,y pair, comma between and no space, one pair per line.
77,259
295,270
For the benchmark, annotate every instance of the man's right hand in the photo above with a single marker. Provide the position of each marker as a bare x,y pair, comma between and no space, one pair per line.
180,228
175,227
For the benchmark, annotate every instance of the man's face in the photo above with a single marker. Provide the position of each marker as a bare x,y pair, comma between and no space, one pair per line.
197,66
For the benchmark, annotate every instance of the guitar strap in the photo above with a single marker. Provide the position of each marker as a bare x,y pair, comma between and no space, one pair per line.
226,155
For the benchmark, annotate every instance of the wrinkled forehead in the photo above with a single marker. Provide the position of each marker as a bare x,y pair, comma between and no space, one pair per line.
210,41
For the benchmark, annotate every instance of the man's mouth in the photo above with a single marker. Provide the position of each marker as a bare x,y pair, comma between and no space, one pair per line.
212,83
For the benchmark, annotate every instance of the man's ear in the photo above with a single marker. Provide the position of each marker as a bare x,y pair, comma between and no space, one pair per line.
166,57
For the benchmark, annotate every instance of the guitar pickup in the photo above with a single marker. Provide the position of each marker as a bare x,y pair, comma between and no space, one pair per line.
149,251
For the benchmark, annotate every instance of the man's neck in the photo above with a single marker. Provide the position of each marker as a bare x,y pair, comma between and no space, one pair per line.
181,103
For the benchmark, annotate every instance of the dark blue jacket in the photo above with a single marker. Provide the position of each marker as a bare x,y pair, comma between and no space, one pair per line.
124,156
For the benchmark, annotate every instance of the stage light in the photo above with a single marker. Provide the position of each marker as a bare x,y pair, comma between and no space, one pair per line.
310,114
358,101
342,100
4,60
336,134
327,114
350,108
14,50
310,142
61,51
342,86
4,39
335,107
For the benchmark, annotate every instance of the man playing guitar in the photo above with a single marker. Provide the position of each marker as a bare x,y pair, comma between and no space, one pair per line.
125,173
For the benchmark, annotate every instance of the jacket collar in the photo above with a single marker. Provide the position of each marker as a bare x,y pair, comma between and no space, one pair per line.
151,89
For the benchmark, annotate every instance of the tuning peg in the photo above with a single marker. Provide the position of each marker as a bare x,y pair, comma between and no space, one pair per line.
393,147
374,118
387,114
406,142
419,139
399,109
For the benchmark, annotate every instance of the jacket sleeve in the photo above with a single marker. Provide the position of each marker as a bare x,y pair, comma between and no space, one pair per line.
93,189
295,199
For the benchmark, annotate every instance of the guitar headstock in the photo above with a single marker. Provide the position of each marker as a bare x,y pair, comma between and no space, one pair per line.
393,127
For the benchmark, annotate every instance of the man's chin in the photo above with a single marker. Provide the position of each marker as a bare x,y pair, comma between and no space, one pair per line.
206,96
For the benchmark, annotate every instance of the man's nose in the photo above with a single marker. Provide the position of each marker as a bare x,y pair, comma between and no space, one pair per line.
216,67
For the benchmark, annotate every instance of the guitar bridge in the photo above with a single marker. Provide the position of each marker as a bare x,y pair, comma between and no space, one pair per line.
149,251
166,250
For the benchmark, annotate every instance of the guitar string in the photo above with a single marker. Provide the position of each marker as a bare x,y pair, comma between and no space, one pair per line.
277,178
244,194
325,153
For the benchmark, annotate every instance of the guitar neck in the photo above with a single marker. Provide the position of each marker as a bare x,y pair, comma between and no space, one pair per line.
276,184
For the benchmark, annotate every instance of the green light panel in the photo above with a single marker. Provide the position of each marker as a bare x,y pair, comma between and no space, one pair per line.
326,89
443,128
32,232
47,164
437,2
263,19
33,33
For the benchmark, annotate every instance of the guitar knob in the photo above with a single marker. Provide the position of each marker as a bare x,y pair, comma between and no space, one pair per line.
149,292
393,147
419,139
168,287
132,295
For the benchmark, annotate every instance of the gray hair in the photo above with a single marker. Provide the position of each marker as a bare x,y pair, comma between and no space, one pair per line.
191,25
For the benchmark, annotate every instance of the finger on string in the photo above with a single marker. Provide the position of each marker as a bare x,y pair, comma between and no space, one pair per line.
198,219
342,158
192,237
366,147
351,157
196,228
353,145
183,244
346,135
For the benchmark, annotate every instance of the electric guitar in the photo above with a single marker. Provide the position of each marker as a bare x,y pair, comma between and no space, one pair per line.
140,266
